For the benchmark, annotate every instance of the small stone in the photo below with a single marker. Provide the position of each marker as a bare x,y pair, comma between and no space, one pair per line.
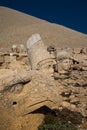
75,101
66,94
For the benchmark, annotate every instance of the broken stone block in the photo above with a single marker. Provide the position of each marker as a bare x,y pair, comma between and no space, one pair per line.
84,68
10,78
84,65
12,57
37,52
63,54
51,49
77,50
1,59
7,58
75,101
21,48
84,50
14,48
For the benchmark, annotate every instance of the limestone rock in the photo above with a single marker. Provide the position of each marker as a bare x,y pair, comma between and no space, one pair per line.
10,78
37,51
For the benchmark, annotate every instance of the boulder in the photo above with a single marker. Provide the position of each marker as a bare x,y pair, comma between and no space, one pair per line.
37,51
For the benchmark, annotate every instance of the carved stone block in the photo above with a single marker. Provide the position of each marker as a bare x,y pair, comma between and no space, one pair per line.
37,51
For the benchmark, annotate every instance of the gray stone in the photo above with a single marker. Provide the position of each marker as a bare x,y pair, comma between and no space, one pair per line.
37,51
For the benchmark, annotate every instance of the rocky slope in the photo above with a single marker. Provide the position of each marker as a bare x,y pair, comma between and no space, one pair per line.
23,91
16,27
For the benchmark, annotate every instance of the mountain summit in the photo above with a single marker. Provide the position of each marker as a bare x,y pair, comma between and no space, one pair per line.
17,27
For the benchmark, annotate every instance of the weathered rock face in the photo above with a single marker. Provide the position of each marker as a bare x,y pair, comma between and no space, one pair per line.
72,75
29,80
40,85
64,61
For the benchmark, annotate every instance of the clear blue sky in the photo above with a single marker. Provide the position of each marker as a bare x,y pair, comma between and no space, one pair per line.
70,13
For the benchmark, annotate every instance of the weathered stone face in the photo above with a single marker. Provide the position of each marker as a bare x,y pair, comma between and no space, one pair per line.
64,66
63,60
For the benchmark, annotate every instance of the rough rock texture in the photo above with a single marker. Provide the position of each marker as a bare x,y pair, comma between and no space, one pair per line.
37,51
24,91
59,84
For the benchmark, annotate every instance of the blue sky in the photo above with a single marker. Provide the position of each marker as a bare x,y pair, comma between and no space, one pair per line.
70,13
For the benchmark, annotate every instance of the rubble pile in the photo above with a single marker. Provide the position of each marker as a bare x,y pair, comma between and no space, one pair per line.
71,73
36,76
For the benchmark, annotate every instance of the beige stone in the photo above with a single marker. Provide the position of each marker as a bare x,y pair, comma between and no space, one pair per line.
37,51
14,48
1,59
7,59
77,50
12,57
22,48
64,66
